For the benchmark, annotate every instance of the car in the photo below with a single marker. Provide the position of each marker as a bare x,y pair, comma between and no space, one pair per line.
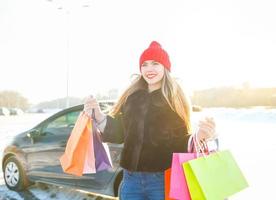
33,156
4,111
16,111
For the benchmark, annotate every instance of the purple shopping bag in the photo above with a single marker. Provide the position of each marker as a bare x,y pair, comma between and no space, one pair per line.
101,151
179,188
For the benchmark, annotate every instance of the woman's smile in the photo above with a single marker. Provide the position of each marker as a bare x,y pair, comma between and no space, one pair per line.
151,75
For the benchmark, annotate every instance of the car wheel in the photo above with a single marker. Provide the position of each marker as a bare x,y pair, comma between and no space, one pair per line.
14,175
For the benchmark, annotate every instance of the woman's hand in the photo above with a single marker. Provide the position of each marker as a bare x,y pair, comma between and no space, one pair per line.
91,104
207,129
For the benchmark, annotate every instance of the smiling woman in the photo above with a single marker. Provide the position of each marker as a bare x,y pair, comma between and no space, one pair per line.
152,119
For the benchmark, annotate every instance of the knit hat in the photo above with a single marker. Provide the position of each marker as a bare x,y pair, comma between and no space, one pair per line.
155,52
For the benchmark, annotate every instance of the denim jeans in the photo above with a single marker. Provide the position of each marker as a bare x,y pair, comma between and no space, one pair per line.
142,186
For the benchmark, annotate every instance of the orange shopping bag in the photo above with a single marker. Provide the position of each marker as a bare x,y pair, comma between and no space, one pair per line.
78,157
167,180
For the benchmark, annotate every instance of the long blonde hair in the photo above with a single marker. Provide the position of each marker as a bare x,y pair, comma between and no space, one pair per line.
171,91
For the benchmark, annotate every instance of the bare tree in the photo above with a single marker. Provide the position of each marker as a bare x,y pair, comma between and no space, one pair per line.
13,99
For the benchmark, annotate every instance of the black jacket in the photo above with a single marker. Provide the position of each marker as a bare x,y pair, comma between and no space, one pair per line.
150,131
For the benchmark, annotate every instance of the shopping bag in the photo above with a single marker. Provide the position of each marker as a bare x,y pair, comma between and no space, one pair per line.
175,182
178,185
101,151
214,177
78,157
167,183
89,163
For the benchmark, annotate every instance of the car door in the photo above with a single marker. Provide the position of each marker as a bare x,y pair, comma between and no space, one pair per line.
43,155
51,145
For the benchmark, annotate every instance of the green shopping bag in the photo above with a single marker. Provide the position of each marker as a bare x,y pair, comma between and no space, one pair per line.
214,177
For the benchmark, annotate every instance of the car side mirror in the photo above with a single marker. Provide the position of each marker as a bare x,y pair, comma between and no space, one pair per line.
33,134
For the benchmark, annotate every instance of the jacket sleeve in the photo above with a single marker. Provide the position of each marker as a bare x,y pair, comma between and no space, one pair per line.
113,131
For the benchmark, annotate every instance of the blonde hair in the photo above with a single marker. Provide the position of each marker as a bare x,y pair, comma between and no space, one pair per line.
171,91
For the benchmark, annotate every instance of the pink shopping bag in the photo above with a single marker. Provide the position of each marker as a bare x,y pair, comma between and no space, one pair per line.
178,184
89,164
179,188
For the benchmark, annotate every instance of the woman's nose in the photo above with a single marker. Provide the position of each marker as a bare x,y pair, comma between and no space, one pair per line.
150,67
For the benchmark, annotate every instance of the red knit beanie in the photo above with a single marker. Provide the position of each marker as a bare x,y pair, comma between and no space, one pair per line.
155,52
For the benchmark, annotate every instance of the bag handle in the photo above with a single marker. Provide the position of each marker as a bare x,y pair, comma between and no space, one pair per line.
204,150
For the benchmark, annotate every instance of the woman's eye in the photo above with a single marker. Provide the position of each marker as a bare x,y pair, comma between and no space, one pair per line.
156,63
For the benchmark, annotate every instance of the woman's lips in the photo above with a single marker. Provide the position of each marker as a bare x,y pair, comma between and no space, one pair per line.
150,76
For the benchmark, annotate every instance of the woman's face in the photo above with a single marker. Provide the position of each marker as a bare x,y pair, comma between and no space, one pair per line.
152,72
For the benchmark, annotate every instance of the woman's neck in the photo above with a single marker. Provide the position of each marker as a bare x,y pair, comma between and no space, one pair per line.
153,87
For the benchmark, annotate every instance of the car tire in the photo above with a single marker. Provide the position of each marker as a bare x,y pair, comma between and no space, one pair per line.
14,175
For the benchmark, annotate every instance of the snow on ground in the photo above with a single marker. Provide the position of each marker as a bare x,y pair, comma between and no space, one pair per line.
45,192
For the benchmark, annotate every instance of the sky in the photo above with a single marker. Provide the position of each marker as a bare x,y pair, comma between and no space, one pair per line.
95,45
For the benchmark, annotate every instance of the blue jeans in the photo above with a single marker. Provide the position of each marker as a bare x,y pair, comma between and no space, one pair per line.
142,186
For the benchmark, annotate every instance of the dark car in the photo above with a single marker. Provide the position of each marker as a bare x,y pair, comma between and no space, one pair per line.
33,156
16,111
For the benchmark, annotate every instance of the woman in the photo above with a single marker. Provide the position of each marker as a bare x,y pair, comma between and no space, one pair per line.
152,119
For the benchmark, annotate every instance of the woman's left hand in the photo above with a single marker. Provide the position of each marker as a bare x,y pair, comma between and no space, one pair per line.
207,129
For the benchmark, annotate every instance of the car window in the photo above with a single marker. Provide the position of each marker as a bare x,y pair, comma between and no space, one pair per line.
67,120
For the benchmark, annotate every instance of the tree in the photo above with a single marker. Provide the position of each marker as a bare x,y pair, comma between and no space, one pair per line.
13,99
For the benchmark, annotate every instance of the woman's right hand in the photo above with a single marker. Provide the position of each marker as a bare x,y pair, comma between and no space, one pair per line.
91,104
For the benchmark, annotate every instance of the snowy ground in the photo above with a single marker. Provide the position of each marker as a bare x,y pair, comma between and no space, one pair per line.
248,133
45,192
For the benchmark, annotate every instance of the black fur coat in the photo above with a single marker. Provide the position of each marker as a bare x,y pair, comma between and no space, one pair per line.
150,131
